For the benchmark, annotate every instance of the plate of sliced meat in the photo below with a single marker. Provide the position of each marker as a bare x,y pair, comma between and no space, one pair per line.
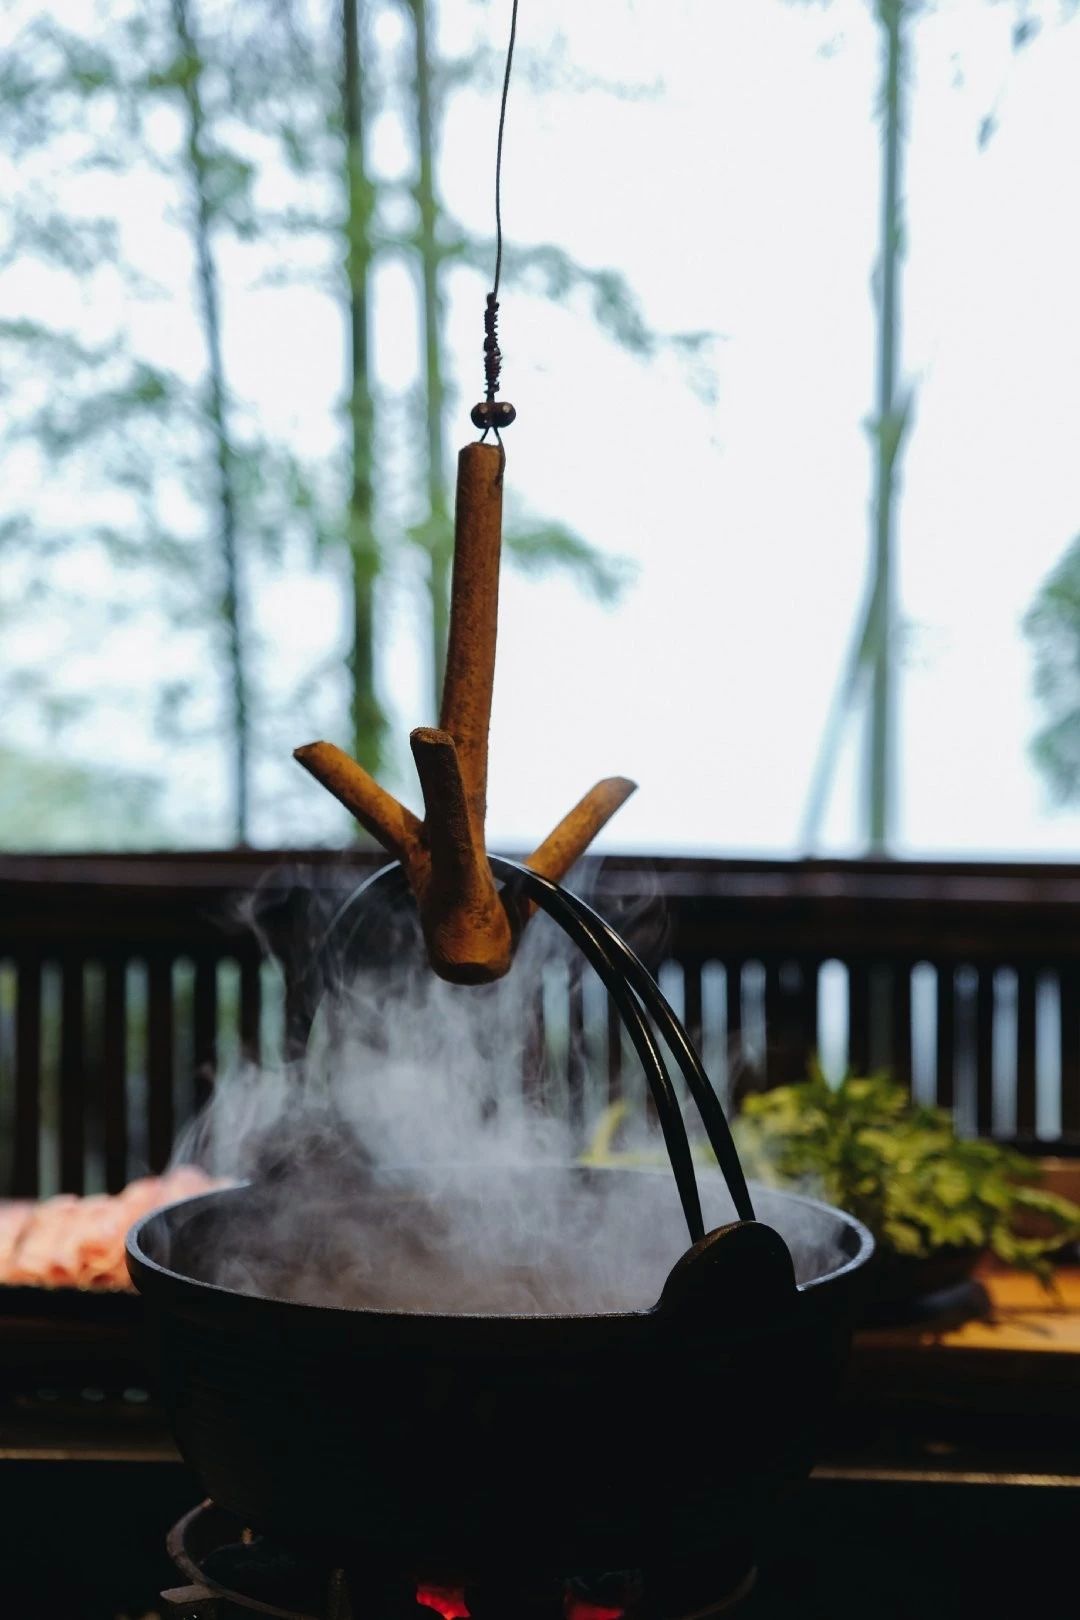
60,1255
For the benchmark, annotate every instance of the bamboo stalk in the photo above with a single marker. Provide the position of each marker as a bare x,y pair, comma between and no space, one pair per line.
208,279
432,320
368,718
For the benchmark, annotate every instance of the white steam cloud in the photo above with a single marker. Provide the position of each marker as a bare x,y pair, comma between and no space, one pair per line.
406,1164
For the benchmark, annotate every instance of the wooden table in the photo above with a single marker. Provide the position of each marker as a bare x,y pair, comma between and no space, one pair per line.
994,1400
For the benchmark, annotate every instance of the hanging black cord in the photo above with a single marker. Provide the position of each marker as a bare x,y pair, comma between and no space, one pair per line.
491,414
499,151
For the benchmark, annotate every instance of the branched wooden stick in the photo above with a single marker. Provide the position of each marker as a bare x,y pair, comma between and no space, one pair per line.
466,926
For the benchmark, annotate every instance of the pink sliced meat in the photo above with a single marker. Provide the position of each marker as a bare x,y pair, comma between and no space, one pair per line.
13,1219
38,1257
139,1198
69,1242
100,1251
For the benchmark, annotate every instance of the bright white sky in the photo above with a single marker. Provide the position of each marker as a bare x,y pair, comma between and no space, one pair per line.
746,201
741,197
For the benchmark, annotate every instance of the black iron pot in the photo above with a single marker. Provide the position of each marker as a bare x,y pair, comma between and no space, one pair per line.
465,1443
457,1444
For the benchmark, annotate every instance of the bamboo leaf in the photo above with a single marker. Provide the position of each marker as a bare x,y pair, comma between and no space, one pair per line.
551,547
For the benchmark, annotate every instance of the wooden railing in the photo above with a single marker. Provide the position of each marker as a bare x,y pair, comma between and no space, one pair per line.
125,981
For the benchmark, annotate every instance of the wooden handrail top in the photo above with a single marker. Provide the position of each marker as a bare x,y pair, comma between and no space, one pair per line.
816,908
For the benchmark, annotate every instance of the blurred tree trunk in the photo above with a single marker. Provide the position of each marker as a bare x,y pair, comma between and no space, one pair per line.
437,527
367,716
232,606
889,429
869,669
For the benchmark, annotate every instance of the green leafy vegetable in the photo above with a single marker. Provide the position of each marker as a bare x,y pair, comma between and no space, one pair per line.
901,1168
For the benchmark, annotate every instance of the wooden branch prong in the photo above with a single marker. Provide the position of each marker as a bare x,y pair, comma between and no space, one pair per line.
394,826
568,841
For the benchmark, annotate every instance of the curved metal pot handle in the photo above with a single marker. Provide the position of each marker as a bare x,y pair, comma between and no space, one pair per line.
637,998
673,1032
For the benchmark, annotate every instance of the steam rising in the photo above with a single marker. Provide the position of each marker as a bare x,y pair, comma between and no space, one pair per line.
407,1165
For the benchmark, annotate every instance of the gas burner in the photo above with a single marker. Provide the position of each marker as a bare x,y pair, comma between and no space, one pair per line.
233,1572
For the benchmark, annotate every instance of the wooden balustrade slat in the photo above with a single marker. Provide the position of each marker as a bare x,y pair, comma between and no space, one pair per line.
692,1014
25,1173
775,1058
94,1076
1025,1051
742,1079
985,1003
858,1017
900,1024
72,1077
205,1019
733,972
810,971
535,1050
159,1060
300,1009
1069,994
785,1032
294,935
250,1009
614,1052
945,1039
575,1046
114,1074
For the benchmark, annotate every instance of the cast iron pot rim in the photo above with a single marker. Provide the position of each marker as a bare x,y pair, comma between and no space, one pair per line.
140,1264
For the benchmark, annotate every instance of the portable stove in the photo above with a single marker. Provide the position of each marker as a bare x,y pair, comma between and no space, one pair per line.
232,1572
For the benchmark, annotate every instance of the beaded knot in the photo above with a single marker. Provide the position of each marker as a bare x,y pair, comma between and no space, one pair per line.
493,414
